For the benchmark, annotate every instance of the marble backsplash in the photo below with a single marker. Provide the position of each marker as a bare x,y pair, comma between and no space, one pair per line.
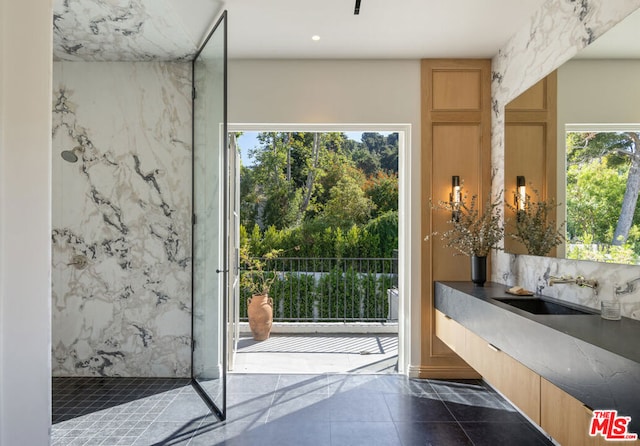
534,272
553,35
122,219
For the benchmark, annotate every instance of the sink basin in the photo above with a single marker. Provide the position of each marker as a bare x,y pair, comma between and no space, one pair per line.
536,305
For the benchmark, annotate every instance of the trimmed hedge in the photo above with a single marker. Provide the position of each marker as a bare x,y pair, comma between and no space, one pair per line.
313,239
337,295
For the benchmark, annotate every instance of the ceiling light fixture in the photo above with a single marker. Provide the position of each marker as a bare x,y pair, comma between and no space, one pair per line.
315,38
356,10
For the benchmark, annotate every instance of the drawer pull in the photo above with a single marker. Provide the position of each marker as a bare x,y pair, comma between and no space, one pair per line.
447,317
493,347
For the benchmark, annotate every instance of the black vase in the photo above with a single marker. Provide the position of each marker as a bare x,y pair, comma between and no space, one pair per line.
478,270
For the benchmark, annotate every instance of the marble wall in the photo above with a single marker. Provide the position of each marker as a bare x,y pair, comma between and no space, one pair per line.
122,219
136,30
553,35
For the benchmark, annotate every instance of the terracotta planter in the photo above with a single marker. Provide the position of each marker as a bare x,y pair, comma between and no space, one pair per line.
260,312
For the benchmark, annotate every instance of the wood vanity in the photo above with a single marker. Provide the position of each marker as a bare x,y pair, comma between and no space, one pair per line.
555,368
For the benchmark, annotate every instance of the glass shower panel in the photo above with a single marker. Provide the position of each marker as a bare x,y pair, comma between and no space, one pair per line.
209,229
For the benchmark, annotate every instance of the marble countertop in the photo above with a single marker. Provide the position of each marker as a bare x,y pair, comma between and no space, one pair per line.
595,360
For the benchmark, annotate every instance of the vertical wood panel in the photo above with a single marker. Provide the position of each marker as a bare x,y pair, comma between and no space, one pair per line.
530,146
529,159
456,89
457,151
456,140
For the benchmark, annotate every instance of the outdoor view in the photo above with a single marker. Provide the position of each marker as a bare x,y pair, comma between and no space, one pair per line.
603,182
319,223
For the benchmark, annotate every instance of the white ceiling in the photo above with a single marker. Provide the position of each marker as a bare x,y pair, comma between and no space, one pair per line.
383,29
173,29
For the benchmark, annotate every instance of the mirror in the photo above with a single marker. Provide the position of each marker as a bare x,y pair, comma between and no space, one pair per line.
596,91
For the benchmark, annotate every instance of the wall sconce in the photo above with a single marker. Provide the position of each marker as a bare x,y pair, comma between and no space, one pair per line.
521,193
455,197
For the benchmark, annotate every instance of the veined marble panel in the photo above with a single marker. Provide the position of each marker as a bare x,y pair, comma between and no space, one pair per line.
124,208
108,30
553,35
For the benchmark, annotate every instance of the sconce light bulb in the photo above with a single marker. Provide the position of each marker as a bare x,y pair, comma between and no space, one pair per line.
455,189
455,197
521,194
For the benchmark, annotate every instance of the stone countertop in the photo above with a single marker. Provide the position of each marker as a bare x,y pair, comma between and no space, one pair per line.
595,360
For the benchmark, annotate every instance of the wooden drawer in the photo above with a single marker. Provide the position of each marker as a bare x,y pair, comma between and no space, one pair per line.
515,381
564,418
450,332
568,420
479,356
521,386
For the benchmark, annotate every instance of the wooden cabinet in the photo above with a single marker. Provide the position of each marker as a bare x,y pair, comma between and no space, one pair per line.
455,141
568,420
478,356
450,332
565,418
559,414
515,381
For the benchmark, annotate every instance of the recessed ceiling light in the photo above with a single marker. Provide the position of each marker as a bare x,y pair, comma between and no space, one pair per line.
315,38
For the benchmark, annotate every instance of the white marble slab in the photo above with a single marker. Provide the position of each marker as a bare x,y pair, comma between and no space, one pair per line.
126,207
118,30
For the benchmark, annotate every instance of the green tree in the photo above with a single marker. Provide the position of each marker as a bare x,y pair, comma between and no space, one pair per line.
594,197
347,204
382,189
385,148
308,194
366,161
384,229
616,149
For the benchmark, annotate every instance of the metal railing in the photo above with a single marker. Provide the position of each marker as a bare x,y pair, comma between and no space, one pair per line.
329,289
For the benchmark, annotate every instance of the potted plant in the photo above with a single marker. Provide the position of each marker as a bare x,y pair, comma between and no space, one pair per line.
257,280
473,232
534,227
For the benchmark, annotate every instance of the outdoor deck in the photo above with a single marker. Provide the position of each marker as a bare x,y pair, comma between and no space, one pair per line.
318,353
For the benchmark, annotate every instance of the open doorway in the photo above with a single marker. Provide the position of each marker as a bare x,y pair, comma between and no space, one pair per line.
326,212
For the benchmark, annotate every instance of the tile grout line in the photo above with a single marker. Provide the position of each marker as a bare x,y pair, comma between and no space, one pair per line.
464,431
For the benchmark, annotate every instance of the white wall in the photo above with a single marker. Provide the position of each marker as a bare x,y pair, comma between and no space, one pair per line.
25,221
346,92
598,91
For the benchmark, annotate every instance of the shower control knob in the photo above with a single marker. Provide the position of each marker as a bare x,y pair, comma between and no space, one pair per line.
79,261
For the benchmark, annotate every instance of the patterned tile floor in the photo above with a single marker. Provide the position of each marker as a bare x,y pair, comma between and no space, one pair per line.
282,410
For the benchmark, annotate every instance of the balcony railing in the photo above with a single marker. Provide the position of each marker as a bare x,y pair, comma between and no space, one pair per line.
330,289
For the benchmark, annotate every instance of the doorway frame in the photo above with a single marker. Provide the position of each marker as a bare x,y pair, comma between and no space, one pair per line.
404,209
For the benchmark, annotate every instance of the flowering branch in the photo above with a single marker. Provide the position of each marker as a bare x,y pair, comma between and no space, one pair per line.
533,226
473,233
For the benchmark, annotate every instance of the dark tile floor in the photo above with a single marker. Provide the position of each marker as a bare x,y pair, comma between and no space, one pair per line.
328,409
